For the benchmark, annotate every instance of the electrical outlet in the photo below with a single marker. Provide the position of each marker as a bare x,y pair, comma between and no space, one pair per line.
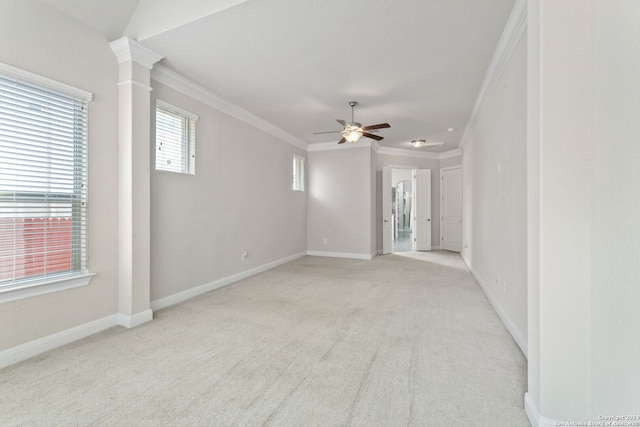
245,254
324,241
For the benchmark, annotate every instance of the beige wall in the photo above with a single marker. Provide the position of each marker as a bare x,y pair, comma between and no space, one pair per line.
615,340
495,195
39,39
340,201
240,199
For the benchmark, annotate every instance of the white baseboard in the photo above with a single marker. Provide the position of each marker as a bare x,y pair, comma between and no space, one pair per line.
135,319
433,248
33,348
199,290
366,257
44,344
517,336
534,416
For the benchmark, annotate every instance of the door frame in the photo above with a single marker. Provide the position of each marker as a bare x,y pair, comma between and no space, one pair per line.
421,211
442,204
389,168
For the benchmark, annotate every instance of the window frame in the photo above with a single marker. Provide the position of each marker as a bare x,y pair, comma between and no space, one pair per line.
299,171
39,285
188,138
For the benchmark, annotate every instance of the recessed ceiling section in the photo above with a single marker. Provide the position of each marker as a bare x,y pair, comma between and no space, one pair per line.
417,64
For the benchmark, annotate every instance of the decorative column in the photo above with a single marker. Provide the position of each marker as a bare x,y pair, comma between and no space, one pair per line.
135,64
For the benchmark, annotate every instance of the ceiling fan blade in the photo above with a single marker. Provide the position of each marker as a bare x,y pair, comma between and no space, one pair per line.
342,122
332,131
372,136
342,141
378,126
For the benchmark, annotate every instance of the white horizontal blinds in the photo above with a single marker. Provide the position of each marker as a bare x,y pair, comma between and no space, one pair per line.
175,140
43,182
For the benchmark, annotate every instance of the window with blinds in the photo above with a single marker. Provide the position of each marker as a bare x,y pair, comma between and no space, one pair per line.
43,182
298,173
175,139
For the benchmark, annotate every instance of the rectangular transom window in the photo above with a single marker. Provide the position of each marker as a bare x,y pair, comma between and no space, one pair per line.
175,139
298,173
43,180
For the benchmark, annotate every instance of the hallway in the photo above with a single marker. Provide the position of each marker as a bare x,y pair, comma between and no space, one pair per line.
402,243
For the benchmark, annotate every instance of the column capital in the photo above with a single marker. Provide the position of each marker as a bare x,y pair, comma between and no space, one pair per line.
129,50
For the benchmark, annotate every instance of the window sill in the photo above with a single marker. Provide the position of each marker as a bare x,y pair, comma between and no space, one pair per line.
45,286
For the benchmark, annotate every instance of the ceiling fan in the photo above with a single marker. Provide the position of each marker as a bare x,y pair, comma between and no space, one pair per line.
353,131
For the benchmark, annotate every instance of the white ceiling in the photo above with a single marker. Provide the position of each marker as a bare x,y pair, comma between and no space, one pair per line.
416,64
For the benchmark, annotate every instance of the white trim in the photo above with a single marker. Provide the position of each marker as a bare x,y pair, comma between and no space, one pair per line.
450,168
33,348
402,152
513,31
166,106
199,290
401,166
135,319
127,49
135,83
330,146
20,74
534,416
408,153
451,153
441,213
192,89
45,286
522,343
366,257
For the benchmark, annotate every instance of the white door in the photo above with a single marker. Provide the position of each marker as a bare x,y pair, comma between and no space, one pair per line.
387,229
422,210
451,209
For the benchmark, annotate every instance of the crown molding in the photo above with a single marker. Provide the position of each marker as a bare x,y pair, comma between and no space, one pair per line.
190,88
127,49
451,153
408,153
329,146
420,154
513,31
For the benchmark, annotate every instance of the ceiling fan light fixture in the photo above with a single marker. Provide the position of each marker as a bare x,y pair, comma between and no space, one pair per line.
352,133
418,143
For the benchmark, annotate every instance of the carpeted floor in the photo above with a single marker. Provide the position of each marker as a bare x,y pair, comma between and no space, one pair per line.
397,341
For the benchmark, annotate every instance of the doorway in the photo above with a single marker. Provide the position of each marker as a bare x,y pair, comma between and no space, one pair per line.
406,207
401,210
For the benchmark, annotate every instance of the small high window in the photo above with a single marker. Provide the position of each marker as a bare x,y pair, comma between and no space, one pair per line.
298,173
175,139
